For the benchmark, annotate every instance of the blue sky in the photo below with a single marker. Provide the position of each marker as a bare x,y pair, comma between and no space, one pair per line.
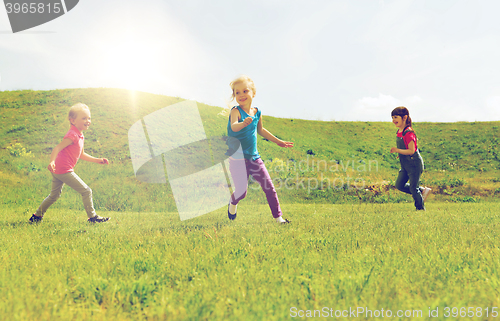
319,60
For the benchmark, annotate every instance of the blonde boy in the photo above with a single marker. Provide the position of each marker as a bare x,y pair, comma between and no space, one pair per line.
62,161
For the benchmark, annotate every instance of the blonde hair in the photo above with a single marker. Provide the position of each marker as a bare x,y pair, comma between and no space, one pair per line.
240,79
73,111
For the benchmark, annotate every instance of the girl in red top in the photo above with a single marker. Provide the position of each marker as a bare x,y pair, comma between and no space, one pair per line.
412,164
62,161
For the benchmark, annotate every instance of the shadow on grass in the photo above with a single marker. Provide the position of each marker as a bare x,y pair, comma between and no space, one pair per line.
16,224
23,224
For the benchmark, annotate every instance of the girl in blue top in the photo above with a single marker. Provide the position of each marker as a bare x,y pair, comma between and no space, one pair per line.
245,122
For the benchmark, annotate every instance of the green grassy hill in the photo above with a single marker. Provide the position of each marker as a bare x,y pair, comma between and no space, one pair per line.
351,159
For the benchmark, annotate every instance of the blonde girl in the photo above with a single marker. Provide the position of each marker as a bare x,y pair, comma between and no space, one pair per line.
245,122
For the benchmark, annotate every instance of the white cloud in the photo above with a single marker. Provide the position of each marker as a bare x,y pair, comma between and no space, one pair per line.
492,111
413,100
376,103
379,108
372,108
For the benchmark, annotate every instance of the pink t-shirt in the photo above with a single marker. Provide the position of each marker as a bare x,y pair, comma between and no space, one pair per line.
409,137
67,158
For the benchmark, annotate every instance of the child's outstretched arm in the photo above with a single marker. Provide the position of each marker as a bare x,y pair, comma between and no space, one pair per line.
62,145
267,135
236,126
88,158
410,151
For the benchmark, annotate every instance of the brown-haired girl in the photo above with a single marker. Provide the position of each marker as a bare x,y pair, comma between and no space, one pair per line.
412,164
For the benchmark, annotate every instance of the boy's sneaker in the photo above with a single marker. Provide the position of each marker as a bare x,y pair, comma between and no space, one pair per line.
426,192
35,219
98,219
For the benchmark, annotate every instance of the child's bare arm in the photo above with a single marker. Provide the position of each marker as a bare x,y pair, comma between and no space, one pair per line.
270,137
86,157
62,145
410,151
235,125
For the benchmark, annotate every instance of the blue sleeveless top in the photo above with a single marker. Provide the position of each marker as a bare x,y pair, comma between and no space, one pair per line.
247,137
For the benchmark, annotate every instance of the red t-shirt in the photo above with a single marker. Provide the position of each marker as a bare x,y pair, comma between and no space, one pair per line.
67,158
408,137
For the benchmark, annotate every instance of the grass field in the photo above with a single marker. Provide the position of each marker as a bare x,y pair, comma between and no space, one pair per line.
462,160
153,266
350,246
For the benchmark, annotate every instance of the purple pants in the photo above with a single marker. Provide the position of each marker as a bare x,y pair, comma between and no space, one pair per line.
241,169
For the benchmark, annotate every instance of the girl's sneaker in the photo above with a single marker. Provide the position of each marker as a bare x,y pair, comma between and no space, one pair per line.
98,219
35,219
282,221
232,217
426,192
